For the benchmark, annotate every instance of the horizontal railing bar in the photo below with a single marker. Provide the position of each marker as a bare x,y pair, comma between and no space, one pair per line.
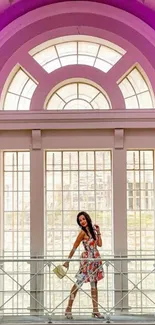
76,259
65,291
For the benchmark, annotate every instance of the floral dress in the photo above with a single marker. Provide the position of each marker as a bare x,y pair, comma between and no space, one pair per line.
90,271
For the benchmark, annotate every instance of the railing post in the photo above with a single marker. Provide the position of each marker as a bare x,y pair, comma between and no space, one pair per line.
108,306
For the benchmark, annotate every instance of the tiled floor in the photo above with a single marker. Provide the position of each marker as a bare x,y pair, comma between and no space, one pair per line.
35,320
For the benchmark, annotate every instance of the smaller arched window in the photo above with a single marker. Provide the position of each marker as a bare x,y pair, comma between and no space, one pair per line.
135,91
77,95
20,92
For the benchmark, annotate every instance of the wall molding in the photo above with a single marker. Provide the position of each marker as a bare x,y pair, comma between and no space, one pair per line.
63,120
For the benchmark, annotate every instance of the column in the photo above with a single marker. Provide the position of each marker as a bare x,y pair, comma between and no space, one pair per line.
37,222
120,220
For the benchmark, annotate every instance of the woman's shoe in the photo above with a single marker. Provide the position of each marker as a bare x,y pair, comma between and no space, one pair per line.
68,315
97,315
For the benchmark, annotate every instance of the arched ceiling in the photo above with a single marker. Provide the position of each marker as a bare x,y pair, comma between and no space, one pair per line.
12,9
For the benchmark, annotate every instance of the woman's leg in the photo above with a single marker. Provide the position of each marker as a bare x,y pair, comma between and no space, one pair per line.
73,294
94,295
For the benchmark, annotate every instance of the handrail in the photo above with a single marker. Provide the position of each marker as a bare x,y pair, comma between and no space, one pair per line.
39,271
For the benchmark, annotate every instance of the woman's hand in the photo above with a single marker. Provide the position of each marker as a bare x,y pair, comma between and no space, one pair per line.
98,230
66,264
99,239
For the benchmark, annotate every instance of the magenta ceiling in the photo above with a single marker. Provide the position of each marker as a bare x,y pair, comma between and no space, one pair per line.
12,9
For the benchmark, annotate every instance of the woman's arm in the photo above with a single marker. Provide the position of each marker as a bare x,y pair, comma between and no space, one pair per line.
99,238
75,246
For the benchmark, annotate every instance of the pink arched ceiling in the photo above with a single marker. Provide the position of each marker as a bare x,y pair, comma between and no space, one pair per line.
12,9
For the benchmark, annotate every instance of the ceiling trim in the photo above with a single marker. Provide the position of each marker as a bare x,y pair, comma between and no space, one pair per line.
22,7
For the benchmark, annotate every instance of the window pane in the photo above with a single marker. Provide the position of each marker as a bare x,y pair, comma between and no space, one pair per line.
102,65
46,55
140,221
16,227
88,48
108,54
67,48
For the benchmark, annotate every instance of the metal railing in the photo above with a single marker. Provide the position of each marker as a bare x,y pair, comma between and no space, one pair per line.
28,287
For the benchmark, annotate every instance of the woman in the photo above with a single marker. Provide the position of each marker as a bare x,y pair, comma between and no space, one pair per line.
90,271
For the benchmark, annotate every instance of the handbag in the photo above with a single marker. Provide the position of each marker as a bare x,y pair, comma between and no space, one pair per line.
60,271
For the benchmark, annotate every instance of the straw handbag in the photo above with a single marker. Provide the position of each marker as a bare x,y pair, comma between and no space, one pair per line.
60,271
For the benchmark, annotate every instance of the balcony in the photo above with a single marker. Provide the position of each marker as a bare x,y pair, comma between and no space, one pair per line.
30,292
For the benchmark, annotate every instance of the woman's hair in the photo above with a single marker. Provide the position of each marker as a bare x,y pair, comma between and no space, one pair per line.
89,222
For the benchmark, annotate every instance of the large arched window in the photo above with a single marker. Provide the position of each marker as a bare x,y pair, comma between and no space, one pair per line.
97,53
78,95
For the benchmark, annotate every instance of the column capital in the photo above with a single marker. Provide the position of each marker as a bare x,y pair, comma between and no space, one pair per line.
119,138
36,140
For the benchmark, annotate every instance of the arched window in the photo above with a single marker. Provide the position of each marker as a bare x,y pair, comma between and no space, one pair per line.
100,54
20,92
78,95
73,50
136,91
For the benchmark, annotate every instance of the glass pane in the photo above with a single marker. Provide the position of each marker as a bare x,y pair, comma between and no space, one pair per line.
100,102
86,60
70,180
103,160
145,100
86,180
109,55
29,89
11,102
133,160
137,81
46,55
68,92
67,48
88,48
87,92
78,104
51,66
86,160
146,159
10,181
126,88
68,60
24,104
70,160
70,200
102,65
54,161
18,82
55,103
131,102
